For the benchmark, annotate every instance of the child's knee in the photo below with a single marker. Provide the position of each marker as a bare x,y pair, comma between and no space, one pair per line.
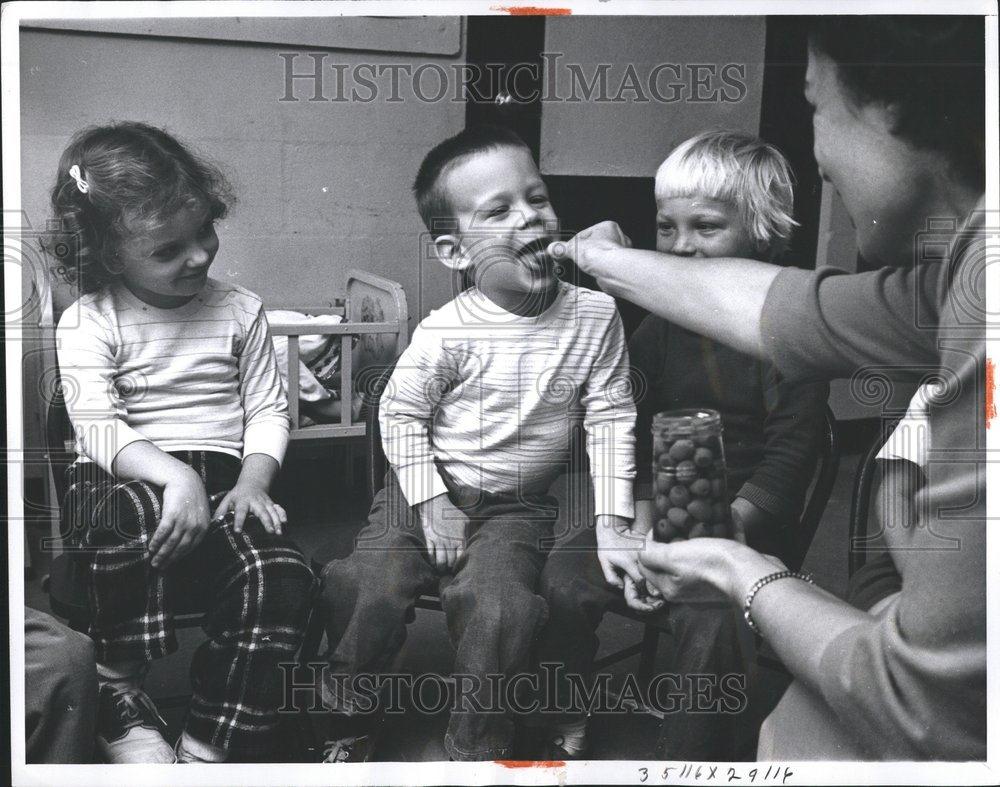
347,581
563,590
75,653
339,581
514,609
72,658
127,512
288,581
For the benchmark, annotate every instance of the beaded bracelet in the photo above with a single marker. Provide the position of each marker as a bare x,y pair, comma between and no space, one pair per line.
767,580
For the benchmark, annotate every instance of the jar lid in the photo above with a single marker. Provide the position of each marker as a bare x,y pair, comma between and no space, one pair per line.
683,420
702,416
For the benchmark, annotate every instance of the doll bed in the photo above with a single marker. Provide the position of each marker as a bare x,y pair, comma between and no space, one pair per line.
371,321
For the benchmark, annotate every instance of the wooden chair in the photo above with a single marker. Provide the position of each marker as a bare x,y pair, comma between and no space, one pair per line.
867,471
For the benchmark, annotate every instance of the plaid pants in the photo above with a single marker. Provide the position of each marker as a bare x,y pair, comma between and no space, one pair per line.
255,588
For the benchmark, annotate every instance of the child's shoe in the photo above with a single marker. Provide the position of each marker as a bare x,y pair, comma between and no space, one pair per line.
353,749
566,740
192,750
351,738
570,738
129,728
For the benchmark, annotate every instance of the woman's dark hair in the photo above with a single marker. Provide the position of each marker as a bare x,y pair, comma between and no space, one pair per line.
135,178
929,69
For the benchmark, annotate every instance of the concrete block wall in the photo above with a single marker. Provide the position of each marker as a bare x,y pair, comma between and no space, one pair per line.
322,186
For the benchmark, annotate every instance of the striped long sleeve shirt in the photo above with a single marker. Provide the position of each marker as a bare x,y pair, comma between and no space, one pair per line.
489,399
199,377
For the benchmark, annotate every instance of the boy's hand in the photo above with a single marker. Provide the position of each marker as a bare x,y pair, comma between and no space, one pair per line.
618,547
642,598
617,550
183,521
444,531
645,514
600,237
249,498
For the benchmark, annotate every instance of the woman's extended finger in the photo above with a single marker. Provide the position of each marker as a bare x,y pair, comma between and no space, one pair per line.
668,589
656,556
561,250
653,578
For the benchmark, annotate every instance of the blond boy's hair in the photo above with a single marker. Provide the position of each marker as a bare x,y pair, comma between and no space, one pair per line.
739,168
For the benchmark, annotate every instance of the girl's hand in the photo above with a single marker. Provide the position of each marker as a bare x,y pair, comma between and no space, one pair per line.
703,568
248,498
184,520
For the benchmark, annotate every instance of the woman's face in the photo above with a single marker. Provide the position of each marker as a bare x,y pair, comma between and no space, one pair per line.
882,180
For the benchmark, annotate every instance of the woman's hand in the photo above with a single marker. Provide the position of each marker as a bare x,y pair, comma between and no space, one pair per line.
183,521
701,569
583,248
246,498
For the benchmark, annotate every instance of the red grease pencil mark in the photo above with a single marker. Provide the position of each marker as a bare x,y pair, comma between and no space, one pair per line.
532,10
991,407
531,763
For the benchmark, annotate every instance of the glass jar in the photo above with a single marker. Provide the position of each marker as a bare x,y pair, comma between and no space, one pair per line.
689,476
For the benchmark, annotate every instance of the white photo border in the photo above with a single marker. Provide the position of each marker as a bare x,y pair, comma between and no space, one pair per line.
387,773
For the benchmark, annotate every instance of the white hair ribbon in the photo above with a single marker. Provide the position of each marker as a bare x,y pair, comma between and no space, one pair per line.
74,172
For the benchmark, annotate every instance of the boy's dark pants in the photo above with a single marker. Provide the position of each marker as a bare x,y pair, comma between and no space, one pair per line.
494,613
705,642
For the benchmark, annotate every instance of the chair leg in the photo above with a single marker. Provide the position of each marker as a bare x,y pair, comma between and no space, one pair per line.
309,651
309,740
647,659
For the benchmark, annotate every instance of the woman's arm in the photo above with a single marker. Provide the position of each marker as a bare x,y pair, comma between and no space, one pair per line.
811,324
719,298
